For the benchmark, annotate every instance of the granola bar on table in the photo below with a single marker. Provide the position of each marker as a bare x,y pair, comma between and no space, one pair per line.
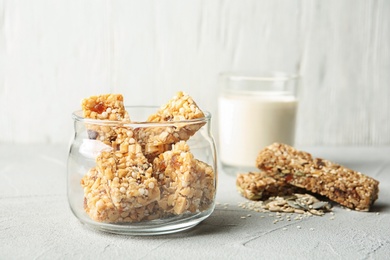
260,186
347,187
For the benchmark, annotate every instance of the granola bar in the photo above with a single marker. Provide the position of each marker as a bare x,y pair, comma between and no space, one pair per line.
347,187
159,139
180,107
187,184
104,107
99,206
259,186
124,183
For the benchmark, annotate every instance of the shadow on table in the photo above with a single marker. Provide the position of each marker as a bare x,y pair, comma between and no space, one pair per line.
380,207
221,221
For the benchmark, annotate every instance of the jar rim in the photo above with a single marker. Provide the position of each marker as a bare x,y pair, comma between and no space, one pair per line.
78,116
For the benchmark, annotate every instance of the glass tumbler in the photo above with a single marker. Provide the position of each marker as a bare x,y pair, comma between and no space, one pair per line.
142,178
255,109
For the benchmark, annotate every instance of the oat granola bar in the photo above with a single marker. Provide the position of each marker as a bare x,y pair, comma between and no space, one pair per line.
159,139
123,184
347,187
99,206
187,184
259,186
180,107
104,107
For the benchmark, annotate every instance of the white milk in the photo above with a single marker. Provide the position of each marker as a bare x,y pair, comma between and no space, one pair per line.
249,123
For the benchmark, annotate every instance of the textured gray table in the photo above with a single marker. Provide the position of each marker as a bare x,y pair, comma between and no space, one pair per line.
36,222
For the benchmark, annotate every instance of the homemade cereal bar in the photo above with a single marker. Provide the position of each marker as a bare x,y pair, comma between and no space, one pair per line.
99,206
180,107
129,177
349,188
187,184
159,139
104,107
122,182
259,186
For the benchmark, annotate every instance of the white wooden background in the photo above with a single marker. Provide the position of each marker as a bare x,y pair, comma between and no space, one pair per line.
55,52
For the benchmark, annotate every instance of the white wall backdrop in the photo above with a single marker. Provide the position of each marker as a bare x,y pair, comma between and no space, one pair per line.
53,53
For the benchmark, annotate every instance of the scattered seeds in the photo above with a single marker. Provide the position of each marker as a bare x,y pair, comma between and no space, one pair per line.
292,207
297,203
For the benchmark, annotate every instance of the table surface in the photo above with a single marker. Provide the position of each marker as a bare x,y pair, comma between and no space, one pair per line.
37,223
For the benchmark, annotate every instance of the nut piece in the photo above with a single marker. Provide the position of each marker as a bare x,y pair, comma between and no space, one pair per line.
104,107
350,188
259,186
187,184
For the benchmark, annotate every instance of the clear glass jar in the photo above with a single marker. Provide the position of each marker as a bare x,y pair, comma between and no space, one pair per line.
123,179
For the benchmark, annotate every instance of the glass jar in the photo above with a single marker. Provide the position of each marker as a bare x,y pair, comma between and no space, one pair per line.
142,178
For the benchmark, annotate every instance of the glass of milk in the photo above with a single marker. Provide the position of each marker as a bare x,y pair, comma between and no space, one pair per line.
254,111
